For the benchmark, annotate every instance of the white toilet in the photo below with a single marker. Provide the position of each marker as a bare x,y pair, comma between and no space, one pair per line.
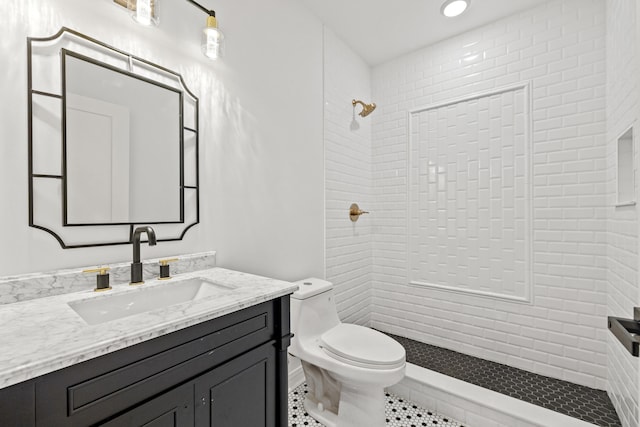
346,366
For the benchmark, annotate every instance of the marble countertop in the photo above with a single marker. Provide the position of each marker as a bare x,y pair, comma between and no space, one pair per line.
43,335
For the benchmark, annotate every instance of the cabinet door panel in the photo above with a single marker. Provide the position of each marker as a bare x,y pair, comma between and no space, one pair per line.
171,409
239,393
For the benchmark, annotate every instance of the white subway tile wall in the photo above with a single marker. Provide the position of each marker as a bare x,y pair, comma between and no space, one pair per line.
559,49
470,220
622,225
347,179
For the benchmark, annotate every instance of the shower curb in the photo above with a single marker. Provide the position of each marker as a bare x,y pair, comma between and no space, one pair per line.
466,402
475,405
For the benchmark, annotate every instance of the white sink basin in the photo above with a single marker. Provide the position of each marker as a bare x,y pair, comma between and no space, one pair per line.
100,310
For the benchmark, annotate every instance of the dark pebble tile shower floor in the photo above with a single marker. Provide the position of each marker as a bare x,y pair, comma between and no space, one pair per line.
577,401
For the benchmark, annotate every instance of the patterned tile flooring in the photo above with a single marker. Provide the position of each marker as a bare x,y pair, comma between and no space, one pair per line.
577,401
399,412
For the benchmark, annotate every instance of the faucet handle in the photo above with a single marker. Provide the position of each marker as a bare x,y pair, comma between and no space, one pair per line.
165,273
102,278
101,270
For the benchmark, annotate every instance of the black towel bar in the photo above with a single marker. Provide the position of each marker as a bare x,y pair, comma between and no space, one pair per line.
628,333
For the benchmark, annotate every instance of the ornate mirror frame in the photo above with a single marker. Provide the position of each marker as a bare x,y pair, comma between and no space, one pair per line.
47,180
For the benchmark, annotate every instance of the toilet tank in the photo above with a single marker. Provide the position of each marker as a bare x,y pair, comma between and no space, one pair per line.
313,310
310,287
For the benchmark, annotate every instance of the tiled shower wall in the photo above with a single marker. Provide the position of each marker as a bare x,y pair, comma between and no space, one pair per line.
469,186
622,260
559,50
347,179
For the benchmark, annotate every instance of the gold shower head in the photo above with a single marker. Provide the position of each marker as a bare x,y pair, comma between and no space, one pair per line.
366,108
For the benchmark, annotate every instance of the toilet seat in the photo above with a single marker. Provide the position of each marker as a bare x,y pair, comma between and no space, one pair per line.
361,346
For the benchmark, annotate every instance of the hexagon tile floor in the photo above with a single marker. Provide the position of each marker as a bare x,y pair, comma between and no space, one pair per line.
567,398
399,412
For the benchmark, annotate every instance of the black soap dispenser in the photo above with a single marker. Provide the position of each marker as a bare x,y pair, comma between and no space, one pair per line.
102,278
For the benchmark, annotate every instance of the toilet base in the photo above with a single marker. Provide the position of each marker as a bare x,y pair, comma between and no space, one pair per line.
361,406
358,407
328,418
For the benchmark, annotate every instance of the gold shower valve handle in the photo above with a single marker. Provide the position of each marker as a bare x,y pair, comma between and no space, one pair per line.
355,212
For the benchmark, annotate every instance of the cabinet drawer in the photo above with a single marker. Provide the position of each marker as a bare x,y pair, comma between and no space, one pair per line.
209,350
89,392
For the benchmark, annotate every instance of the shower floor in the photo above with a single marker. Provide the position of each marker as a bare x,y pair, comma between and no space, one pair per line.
399,412
577,401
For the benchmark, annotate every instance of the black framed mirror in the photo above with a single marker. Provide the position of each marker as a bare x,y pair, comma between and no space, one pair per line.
117,151
113,143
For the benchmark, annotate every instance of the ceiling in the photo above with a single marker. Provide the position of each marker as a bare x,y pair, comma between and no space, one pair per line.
379,30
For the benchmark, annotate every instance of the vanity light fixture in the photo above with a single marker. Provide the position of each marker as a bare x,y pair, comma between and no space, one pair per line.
212,37
144,12
452,8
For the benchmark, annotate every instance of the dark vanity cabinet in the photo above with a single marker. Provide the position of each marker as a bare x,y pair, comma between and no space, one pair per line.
228,372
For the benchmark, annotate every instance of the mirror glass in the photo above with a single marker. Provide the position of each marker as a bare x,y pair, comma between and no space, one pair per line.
123,145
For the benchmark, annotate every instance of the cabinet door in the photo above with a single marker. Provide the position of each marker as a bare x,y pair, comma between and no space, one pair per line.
171,409
241,392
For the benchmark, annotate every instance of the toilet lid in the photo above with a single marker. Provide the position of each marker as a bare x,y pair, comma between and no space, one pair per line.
362,345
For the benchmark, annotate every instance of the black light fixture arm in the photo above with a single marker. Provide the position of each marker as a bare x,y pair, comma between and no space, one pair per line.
209,12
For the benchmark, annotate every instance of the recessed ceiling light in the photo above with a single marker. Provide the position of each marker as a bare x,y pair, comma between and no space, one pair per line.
451,8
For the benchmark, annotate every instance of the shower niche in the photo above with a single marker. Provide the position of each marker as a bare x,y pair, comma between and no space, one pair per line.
626,173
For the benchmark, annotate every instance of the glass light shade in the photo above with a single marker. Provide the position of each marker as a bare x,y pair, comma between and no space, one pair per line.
145,12
453,8
212,40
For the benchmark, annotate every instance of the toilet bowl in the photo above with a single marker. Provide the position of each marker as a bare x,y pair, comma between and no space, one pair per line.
346,366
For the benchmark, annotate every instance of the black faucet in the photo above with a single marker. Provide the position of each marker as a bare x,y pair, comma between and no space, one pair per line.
136,266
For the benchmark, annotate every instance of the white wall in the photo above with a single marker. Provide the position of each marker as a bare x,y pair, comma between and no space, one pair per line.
622,226
559,48
348,179
261,131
